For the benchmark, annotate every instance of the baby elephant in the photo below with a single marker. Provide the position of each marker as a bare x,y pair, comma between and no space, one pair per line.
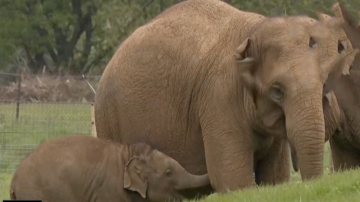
85,168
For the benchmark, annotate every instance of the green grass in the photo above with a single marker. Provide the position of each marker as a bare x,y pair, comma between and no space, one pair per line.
336,188
5,179
38,122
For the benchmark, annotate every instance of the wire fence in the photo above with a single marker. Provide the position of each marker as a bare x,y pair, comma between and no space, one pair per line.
36,108
36,123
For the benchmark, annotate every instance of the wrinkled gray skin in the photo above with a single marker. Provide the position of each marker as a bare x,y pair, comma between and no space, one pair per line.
85,168
329,37
345,142
328,47
228,115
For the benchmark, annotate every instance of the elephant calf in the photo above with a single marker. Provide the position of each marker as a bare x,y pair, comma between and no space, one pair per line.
84,168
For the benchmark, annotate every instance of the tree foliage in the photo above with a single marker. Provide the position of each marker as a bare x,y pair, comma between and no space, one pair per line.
80,36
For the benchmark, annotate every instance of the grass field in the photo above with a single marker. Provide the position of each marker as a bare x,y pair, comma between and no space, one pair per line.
38,122
336,188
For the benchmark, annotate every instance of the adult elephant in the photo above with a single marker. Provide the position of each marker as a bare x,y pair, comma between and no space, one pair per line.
345,141
229,116
329,43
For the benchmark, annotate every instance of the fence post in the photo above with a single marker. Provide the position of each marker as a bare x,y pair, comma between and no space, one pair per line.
93,128
18,95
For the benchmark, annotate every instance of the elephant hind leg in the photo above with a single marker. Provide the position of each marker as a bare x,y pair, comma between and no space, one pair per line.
274,168
344,158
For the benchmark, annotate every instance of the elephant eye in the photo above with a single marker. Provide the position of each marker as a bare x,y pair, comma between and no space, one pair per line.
341,46
312,43
168,173
277,92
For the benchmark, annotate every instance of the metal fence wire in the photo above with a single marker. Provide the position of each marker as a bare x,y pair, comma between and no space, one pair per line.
37,122
33,114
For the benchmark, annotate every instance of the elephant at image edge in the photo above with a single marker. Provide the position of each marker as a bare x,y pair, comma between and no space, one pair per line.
329,36
227,116
345,141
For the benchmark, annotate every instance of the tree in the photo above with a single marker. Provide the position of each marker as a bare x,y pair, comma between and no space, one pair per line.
80,36
50,28
64,35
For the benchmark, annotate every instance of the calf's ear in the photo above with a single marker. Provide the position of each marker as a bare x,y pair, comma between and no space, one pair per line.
134,179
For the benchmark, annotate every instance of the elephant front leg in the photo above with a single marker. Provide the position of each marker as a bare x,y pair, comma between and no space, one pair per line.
274,168
229,156
343,158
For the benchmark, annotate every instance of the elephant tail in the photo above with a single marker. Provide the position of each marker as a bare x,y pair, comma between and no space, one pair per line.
12,187
12,194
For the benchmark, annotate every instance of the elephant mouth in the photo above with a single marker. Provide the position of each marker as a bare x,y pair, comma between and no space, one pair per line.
279,126
277,129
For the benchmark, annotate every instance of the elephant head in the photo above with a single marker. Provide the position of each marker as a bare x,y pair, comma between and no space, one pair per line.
329,43
158,177
347,32
285,77
350,27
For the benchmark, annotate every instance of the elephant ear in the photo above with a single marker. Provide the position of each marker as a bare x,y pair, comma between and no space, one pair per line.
340,11
323,17
333,23
340,66
350,27
247,66
134,178
330,21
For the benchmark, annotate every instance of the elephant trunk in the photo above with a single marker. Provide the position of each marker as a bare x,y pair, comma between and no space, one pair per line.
189,180
294,159
306,132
